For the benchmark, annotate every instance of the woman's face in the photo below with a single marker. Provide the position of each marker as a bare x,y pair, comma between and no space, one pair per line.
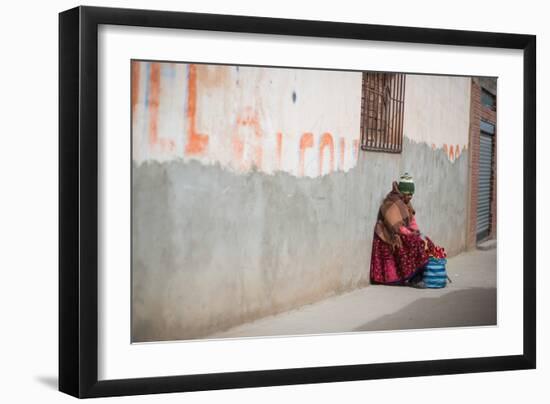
407,198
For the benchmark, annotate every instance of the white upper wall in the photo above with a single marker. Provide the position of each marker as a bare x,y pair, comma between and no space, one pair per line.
437,111
304,122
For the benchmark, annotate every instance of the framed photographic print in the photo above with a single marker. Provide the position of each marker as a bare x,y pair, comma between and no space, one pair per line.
249,201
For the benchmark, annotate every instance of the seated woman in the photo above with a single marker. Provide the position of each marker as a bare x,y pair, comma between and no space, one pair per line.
398,251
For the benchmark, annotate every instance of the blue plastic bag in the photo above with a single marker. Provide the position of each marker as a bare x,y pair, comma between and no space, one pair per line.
435,273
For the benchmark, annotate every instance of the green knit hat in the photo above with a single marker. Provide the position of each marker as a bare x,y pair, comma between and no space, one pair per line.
406,184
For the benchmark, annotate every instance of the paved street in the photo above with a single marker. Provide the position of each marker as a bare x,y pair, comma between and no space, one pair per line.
469,301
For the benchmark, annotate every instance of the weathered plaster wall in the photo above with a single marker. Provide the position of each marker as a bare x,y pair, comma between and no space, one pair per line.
437,112
437,117
232,222
214,248
441,192
303,122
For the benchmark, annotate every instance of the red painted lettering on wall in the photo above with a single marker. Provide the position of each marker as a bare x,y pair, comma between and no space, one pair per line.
135,85
157,99
326,141
306,141
279,149
248,119
196,142
154,89
342,152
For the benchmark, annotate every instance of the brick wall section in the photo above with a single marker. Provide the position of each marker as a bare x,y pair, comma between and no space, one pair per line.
487,114
477,113
473,163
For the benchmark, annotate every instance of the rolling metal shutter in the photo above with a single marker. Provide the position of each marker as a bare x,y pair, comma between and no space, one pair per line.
485,188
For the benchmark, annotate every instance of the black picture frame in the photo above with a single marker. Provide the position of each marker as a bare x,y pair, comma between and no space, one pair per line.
78,201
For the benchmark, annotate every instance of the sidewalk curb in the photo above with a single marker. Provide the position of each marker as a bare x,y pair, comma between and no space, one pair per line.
487,245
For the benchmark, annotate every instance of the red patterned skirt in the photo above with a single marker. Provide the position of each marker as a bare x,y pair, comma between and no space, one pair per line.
397,267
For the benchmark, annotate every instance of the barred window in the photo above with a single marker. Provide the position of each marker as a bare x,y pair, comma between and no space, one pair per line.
382,107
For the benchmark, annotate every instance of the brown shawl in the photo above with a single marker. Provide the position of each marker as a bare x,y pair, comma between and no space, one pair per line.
393,214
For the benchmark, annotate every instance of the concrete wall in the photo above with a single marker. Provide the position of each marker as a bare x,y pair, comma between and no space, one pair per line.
214,248
437,117
250,196
441,192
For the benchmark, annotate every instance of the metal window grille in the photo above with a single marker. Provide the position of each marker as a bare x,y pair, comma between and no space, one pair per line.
382,107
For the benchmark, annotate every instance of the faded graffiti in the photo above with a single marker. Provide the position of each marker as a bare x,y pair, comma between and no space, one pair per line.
326,141
183,111
304,122
305,142
196,143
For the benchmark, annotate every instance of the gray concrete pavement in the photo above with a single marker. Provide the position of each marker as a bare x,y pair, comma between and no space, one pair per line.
470,300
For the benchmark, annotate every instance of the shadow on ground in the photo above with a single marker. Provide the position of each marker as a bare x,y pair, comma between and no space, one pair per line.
48,381
467,307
